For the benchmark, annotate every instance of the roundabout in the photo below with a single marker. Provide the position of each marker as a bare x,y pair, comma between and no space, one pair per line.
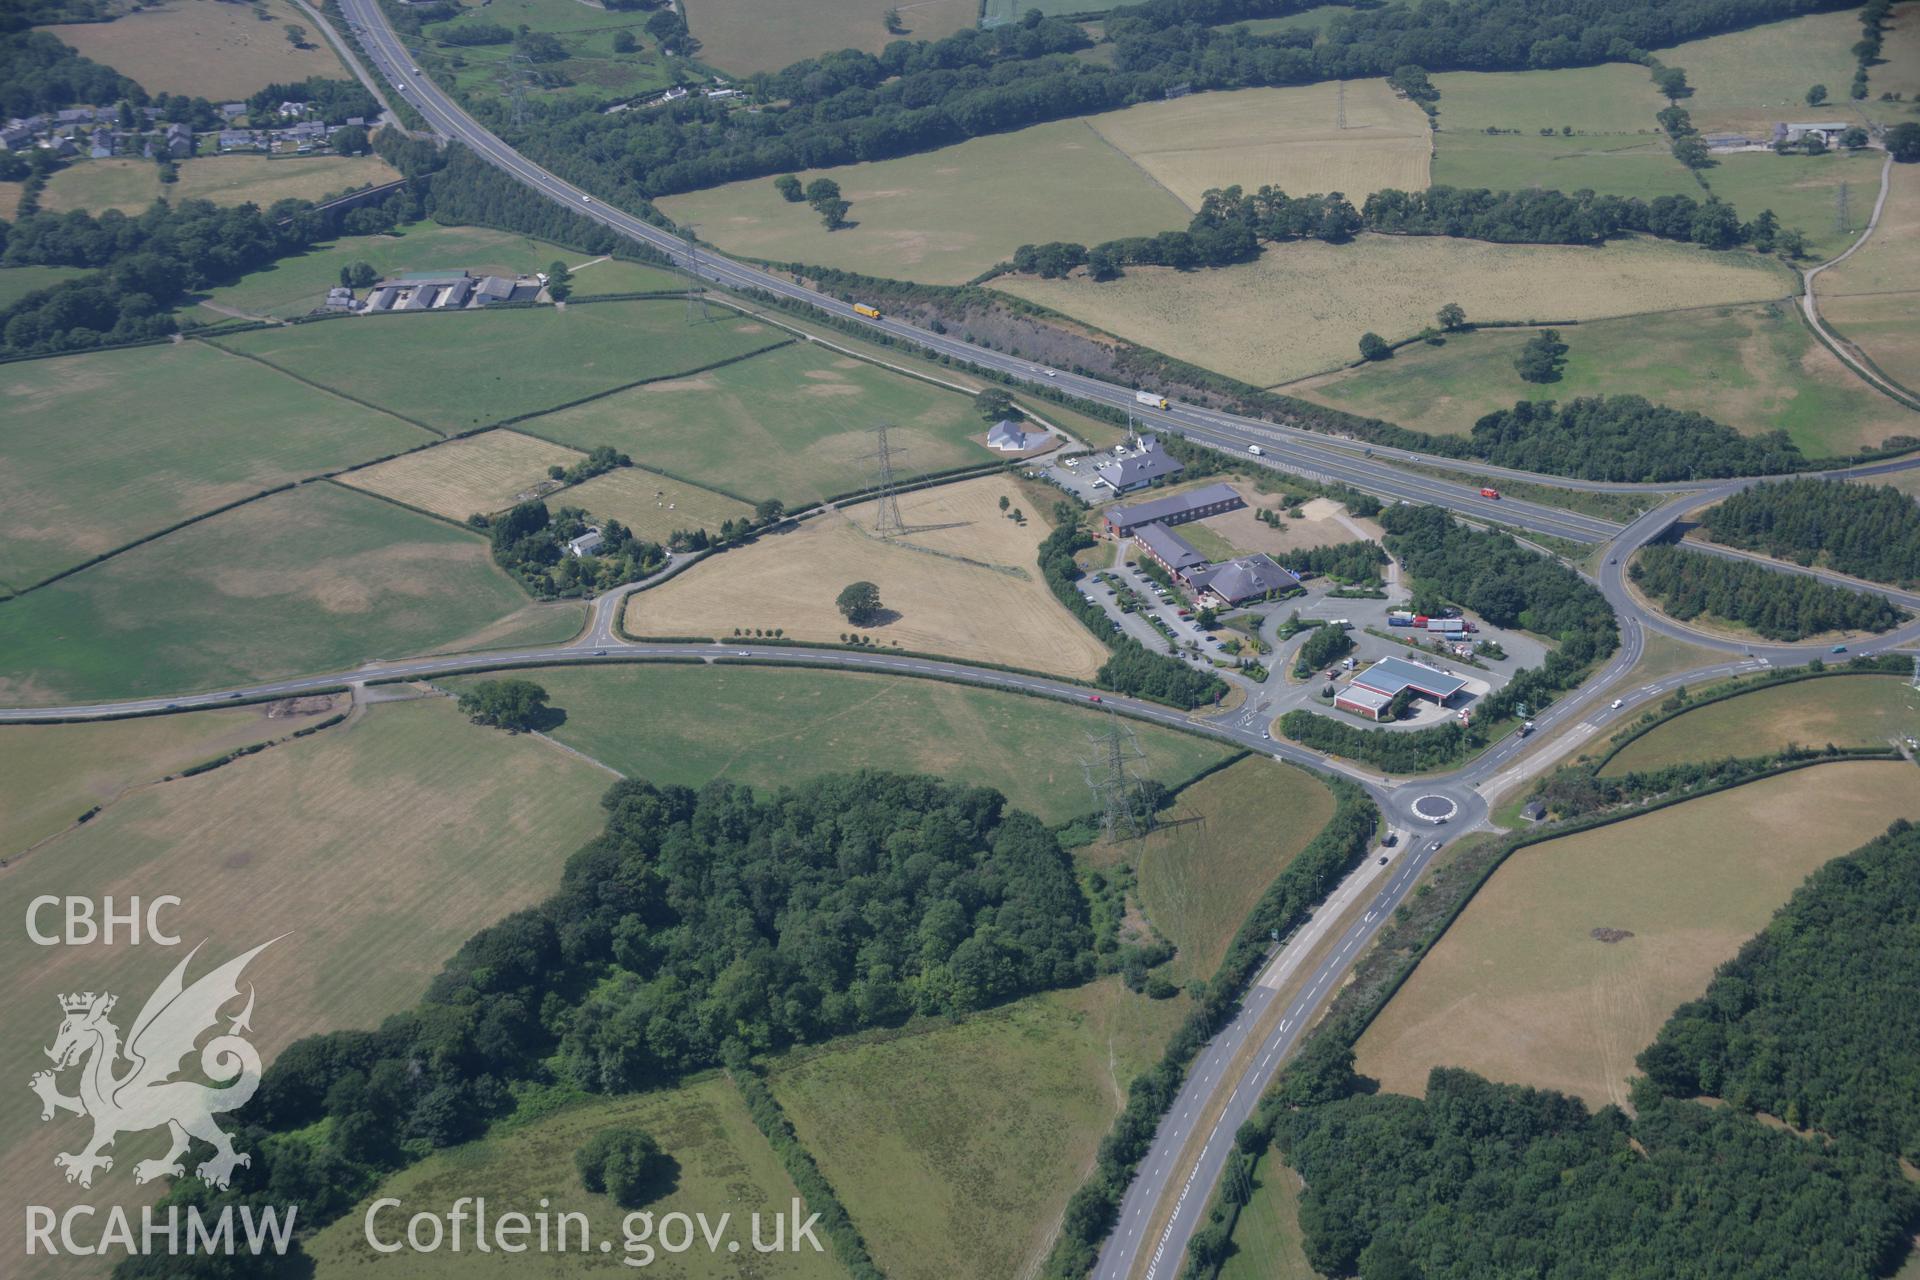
1435,808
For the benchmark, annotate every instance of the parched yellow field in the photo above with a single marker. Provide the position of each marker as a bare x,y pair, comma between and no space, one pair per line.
990,607
205,49
1301,308
744,36
131,184
56,772
478,474
1873,298
1288,138
652,505
1520,991
376,847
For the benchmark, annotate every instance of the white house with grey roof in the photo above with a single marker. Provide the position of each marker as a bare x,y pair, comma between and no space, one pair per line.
1140,468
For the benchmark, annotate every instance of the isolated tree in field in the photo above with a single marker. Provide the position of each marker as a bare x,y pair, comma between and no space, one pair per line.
559,281
1374,347
296,35
1903,141
625,1163
1451,317
1005,502
623,42
821,190
859,603
993,404
833,213
789,188
358,275
769,510
892,19
1542,358
1816,95
514,705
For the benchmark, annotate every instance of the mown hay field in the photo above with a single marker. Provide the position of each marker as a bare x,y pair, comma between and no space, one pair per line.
586,33
691,724
1756,368
168,433
1221,845
991,606
1844,711
1287,138
478,474
223,52
1873,298
1520,991
317,579
794,424
296,285
1616,97
955,1149
56,772
376,847
130,184
1613,165
1746,81
724,1167
945,216
652,505
742,36
460,370
1301,308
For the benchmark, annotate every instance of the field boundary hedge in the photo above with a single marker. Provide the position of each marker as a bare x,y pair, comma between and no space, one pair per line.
771,1119
325,390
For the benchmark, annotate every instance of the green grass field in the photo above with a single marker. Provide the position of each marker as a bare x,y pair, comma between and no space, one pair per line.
1615,98
1266,1240
998,11
955,1149
215,51
312,580
1619,166
1803,191
688,725
130,184
294,286
725,1167
17,282
1314,19
1755,368
1745,81
586,32
791,424
376,848
166,433
1224,841
1844,711
469,369
741,37
1519,989
945,216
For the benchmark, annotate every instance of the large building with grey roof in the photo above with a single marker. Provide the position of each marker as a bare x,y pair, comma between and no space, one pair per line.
1208,500
1139,469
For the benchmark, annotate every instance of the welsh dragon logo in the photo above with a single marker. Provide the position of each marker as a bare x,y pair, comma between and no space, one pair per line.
143,1093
